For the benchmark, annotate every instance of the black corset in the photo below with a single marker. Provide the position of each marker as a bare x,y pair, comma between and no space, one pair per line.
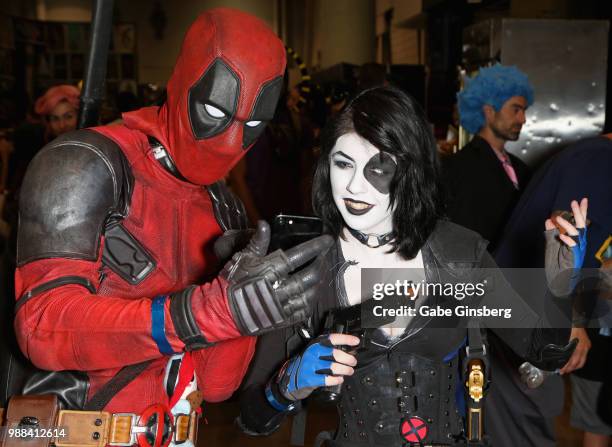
396,388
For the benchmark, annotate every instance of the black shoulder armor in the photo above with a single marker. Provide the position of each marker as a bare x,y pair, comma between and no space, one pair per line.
229,209
73,187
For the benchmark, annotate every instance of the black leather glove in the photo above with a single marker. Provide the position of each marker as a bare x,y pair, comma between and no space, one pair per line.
263,292
230,242
552,357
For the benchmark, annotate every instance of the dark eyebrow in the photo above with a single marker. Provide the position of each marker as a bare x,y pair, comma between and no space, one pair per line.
519,106
343,154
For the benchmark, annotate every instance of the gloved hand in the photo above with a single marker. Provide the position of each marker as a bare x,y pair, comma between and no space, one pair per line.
262,292
565,253
230,242
320,364
253,294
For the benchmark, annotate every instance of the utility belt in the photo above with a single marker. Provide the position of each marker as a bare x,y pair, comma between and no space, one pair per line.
37,421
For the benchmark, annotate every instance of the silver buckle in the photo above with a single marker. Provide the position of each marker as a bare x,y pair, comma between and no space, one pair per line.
159,152
484,350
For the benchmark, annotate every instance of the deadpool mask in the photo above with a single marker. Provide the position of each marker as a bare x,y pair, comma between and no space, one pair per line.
222,93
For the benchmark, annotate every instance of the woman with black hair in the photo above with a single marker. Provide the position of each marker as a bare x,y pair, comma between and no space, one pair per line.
376,190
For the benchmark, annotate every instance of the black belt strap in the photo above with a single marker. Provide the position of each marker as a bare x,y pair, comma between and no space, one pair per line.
173,372
298,428
476,340
110,389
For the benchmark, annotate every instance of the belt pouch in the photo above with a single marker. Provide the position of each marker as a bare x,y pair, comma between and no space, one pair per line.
35,415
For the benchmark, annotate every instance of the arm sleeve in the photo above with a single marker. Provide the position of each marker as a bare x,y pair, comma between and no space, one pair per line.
221,368
69,327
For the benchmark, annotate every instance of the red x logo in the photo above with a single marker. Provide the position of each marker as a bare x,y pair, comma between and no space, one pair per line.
414,429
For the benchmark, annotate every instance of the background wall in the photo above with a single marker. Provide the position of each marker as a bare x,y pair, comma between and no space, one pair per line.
155,57
343,31
405,31
327,32
25,8
65,10
324,32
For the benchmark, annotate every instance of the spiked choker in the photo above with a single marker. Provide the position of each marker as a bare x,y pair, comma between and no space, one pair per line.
372,240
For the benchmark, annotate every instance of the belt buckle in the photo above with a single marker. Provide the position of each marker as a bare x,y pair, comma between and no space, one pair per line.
154,427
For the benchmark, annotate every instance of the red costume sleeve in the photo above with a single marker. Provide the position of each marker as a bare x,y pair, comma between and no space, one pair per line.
68,327
221,368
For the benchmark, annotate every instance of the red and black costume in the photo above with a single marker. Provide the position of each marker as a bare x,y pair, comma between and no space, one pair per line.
117,223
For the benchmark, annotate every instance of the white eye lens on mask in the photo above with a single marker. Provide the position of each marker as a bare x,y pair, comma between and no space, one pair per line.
213,111
253,123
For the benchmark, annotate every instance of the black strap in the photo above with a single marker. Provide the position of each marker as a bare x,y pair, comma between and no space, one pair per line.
477,347
298,428
173,372
110,389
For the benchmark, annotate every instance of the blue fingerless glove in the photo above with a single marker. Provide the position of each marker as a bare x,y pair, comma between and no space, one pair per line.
302,374
579,250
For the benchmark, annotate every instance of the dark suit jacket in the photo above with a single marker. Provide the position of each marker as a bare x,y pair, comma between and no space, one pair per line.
480,195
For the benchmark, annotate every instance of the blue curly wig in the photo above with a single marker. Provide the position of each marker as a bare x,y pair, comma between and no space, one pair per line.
493,86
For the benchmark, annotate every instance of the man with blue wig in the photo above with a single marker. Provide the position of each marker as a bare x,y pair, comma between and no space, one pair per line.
484,181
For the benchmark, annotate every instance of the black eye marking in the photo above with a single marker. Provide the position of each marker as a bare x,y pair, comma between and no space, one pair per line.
379,172
218,88
263,110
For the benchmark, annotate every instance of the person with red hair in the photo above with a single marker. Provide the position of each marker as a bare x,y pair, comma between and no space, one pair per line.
60,108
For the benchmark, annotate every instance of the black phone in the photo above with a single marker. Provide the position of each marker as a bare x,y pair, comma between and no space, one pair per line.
290,230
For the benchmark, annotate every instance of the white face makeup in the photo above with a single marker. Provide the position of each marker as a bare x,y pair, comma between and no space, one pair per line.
360,176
